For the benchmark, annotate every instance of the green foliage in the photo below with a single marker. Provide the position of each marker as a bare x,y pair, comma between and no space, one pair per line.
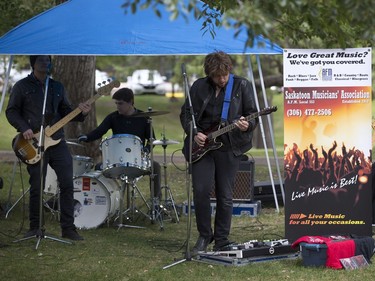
17,11
337,24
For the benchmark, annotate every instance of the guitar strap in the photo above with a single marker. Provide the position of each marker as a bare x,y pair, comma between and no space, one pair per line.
227,98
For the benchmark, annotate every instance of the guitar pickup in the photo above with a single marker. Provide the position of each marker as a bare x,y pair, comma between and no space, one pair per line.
35,142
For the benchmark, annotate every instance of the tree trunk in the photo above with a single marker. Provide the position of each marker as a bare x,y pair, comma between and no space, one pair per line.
77,73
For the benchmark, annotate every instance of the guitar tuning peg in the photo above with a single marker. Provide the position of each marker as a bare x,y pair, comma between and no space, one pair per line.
104,82
108,80
99,84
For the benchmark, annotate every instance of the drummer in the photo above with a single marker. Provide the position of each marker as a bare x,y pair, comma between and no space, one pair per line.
120,122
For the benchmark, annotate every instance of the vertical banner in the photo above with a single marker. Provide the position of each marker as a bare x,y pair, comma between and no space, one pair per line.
327,142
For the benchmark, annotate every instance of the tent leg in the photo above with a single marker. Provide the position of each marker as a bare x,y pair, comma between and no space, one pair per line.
271,130
251,74
6,82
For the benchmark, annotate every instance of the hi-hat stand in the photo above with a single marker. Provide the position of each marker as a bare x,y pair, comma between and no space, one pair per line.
156,210
168,201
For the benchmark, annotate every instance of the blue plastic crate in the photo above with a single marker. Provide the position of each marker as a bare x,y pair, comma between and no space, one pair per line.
313,254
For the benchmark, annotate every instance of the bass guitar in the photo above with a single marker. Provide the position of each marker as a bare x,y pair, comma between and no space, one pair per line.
213,133
28,150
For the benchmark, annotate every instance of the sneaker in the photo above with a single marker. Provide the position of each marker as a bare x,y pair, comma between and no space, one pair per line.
71,234
31,232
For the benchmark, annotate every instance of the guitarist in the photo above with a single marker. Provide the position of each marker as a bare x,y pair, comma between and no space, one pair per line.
24,112
219,165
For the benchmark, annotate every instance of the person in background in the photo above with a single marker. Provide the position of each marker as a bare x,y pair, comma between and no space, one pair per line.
25,113
220,165
122,122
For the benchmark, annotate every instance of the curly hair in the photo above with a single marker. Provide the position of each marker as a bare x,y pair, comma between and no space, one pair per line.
217,63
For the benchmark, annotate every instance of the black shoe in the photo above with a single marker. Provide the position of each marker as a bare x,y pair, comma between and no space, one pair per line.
201,244
31,232
71,234
222,245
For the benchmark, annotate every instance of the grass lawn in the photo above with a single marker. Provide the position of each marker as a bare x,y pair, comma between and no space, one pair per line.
109,253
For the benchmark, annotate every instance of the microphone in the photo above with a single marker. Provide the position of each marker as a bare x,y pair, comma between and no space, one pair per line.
183,69
49,67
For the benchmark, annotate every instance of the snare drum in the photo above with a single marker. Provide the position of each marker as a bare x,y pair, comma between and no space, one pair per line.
81,165
51,184
122,155
96,199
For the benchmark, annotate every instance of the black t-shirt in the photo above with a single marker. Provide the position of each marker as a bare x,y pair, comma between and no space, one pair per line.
120,124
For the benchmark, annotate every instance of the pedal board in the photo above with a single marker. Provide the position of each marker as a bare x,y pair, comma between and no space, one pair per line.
252,251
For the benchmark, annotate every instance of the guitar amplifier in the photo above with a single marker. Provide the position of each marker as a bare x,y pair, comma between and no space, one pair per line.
244,182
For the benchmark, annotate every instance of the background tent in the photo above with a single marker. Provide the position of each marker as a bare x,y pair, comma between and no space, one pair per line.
101,27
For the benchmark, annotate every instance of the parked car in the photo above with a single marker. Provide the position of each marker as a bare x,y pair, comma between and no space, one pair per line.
145,81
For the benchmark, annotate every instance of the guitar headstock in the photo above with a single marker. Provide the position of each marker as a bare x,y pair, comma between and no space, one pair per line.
268,110
107,88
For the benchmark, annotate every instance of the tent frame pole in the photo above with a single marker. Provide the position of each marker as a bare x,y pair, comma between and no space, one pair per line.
6,82
251,75
271,129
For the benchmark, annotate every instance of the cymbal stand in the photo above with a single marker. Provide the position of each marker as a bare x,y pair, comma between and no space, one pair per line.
156,213
168,197
131,196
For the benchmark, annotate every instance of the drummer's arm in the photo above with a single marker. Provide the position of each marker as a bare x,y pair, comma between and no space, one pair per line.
98,132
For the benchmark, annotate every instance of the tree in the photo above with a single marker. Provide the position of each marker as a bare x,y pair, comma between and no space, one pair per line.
291,23
77,73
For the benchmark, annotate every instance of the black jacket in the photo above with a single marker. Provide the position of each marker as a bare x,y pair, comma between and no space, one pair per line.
25,107
242,104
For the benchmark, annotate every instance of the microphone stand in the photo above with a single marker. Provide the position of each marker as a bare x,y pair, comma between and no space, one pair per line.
192,133
41,230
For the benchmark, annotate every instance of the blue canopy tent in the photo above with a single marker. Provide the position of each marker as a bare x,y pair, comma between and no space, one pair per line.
102,28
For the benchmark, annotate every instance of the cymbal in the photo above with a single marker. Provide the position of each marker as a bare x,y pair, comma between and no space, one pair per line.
165,142
148,113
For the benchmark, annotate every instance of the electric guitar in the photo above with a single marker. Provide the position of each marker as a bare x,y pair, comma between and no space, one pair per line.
28,150
213,133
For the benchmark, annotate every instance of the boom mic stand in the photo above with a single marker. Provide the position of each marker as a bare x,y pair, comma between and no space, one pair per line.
41,230
192,133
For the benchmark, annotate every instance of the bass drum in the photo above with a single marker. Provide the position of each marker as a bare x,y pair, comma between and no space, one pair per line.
96,199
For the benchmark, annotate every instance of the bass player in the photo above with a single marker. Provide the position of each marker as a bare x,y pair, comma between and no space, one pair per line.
25,113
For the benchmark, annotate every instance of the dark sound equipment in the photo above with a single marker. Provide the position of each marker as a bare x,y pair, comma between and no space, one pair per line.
244,182
263,192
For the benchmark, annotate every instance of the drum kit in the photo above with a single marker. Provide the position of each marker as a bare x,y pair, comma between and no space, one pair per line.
99,195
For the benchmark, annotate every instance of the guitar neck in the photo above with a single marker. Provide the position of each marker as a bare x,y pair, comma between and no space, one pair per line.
230,127
105,90
61,123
